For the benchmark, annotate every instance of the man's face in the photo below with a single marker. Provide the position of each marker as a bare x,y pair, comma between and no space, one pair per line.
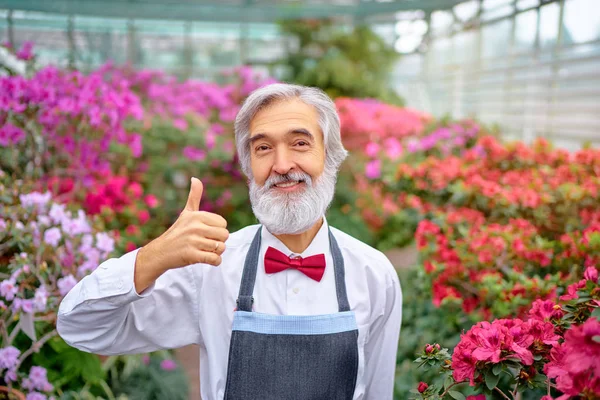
285,138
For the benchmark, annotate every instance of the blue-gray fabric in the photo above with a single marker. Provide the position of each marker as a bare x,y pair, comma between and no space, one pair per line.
291,357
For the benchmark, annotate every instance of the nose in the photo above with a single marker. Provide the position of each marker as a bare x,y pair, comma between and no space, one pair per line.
283,162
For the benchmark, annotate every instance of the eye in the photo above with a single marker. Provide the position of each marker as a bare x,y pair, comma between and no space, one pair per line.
262,147
302,143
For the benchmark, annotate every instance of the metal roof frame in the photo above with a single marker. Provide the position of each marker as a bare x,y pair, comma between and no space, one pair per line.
236,10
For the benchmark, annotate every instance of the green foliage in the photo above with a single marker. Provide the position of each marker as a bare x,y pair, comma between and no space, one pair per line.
149,381
422,323
343,61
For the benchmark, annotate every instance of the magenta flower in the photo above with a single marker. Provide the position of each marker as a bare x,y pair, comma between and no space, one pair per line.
372,149
194,153
11,135
373,169
26,52
168,365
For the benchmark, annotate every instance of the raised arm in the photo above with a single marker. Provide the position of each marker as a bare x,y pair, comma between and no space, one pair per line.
147,299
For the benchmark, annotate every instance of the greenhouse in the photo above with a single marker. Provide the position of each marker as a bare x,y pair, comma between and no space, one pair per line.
464,259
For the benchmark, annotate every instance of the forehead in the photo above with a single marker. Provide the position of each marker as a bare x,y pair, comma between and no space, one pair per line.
285,114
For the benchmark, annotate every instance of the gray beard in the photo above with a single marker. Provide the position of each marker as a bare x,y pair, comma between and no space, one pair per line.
292,213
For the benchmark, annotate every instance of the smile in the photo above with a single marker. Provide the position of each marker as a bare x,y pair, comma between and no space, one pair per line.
288,185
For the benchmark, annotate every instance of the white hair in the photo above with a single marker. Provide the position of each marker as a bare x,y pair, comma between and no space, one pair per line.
329,121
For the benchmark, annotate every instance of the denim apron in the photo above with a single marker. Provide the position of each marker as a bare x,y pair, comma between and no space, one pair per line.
292,357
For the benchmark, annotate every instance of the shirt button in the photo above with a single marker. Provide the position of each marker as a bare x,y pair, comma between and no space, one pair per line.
296,290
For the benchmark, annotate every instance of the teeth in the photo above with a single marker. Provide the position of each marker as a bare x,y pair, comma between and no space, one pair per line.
287,184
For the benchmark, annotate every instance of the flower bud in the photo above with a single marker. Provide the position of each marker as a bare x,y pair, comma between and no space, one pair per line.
429,349
422,387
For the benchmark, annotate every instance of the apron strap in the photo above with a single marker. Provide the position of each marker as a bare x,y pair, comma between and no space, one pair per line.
245,299
340,274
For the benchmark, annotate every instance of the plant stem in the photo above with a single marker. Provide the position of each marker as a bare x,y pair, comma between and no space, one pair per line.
448,388
4,329
501,393
514,392
36,346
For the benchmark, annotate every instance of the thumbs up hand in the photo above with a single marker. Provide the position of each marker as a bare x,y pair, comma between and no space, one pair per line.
195,237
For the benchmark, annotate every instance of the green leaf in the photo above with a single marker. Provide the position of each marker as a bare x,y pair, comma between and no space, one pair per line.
456,395
497,369
596,313
491,380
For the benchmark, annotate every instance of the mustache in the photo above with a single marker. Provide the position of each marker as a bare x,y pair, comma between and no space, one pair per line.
289,177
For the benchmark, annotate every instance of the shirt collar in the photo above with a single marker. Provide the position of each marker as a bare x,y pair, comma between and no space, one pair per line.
319,244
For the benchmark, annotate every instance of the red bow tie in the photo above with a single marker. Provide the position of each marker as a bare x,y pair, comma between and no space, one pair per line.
313,266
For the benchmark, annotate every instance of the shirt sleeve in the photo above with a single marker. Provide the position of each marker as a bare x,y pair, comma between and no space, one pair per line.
104,314
382,344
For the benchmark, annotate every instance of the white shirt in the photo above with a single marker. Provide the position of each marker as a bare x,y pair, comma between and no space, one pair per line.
104,314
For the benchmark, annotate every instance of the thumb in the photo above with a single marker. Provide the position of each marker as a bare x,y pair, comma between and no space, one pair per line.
196,189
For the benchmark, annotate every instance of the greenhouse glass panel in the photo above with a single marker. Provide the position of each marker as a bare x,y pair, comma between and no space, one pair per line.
496,39
549,15
525,30
580,24
467,10
441,21
526,4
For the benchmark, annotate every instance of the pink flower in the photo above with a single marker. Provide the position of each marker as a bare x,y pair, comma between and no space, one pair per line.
591,274
476,397
26,52
168,365
151,200
11,135
52,236
135,144
143,216
373,169
545,310
489,341
575,364
180,124
194,153
393,148
66,284
372,149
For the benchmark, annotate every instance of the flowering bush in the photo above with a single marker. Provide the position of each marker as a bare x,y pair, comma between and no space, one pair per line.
369,120
549,187
45,248
555,348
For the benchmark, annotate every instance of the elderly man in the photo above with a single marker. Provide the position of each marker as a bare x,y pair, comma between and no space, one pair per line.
288,309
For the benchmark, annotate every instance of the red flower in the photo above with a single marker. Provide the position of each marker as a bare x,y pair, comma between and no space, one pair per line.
545,310
143,216
151,200
422,387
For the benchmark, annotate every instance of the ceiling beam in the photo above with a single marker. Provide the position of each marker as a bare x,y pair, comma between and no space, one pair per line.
207,11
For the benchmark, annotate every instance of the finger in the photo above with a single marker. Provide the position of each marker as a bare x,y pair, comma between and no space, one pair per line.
212,219
207,257
218,234
213,246
196,189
